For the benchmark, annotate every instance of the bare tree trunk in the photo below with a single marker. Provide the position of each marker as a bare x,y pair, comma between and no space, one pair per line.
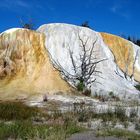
127,65
87,67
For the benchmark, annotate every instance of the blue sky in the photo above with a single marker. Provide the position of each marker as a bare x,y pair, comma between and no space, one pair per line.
112,16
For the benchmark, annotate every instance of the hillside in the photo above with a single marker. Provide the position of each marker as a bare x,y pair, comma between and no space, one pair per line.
30,61
25,67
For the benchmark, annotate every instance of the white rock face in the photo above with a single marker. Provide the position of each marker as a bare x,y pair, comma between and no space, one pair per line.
11,30
137,52
60,38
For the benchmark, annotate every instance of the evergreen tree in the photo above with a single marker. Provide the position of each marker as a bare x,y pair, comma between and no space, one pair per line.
85,24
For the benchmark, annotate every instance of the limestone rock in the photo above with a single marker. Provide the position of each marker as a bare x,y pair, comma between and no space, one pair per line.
29,61
60,38
25,67
125,53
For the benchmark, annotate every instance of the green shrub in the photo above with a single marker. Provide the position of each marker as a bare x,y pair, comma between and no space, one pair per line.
111,94
114,97
137,87
80,86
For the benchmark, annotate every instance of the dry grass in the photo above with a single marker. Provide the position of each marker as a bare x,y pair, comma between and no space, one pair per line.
19,121
16,111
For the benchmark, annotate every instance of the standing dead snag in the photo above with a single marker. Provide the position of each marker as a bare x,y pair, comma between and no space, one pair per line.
84,71
89,63
127,63
27,25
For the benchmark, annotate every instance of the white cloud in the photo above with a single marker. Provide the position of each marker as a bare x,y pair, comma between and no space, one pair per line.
116,8
22,4
11,4
119,8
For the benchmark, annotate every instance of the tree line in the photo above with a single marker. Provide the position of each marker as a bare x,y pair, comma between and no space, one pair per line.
134,40
130,38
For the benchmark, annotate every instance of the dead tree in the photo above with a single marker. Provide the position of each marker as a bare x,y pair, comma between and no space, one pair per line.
84,72
117,71
85,24
27,25
127,61
126,67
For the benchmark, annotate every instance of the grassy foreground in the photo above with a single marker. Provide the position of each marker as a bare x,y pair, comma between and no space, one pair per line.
119,133
16,111
29,131
18,121
21,122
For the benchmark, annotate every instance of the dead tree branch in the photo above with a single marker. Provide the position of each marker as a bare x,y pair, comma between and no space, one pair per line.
86,69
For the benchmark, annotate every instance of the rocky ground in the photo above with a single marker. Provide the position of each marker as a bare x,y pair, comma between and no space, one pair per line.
66,102
128,112
63,117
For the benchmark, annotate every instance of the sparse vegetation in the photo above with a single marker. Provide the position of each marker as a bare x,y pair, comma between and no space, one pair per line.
45,98
99,97
27,130
133,113
19,121
120,112
16,111
80,86
112,96
23,122
104,98
137,87
84,114
87,92
137,126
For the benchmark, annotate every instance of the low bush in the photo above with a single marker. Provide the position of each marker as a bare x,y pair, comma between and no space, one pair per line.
87,92
80,86
137,87
112,96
